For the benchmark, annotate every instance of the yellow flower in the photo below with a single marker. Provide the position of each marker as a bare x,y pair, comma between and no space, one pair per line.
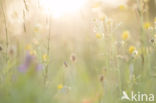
102,17
99,36
131,49
147,25
44,57
109,21
122,7
32,52
28,47
60,86
125,35
37,28
96,5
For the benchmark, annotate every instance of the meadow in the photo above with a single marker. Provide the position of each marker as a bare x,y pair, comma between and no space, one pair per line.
77,51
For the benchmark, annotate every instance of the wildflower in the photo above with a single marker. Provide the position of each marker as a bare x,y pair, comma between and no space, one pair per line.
122,7
26,64
109,21
12,50
37,28
131,49
101,78
65,64
33,52
102,17
73,57
125,35
60,86
96,5
135,53
44,57
29,61
147,25
152,40
28,47
99,36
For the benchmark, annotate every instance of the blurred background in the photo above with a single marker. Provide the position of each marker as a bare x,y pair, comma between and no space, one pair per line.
76,51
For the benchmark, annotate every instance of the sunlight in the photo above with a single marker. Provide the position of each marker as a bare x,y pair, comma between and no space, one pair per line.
60,7
114,3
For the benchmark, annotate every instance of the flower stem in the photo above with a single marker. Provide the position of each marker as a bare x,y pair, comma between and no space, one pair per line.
6,32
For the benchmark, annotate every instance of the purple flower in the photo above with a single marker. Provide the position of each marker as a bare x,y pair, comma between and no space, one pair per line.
27,62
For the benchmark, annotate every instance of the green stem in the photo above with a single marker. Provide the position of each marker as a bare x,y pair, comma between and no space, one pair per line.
6,33
48,50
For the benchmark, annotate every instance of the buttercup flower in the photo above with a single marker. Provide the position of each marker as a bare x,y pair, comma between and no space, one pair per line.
60,86
131,49
147,25
28,47
99,36
33,52
125,35
103,17
44,57
96,5
37,28
122,7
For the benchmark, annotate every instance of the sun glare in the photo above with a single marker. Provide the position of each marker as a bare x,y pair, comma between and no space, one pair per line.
60,7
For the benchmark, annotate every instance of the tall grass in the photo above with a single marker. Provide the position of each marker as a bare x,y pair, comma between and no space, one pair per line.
91,56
